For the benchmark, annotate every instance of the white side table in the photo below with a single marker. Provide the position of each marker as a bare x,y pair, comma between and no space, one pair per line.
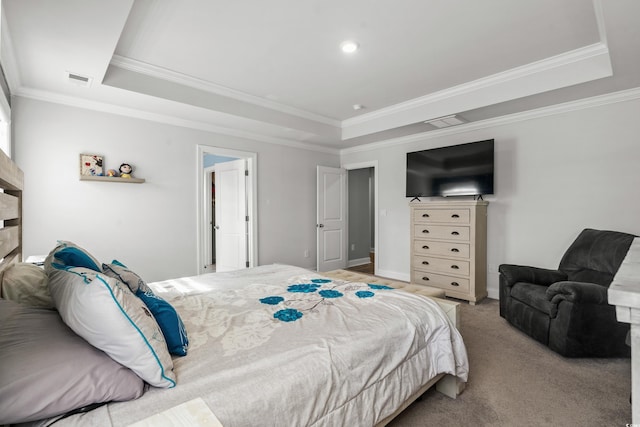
624,293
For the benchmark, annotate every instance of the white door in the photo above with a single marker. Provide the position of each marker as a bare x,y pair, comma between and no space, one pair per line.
231,216
332,218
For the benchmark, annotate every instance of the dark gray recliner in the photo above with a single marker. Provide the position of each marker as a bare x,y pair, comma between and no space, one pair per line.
567,309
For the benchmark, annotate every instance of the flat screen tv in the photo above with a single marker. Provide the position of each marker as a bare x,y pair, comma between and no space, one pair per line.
458,170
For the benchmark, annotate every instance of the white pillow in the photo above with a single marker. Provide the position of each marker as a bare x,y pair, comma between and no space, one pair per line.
109,316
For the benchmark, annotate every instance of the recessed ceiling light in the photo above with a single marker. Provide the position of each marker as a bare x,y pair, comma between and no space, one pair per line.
349,46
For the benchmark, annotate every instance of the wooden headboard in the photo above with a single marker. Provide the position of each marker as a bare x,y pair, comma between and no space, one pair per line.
12,182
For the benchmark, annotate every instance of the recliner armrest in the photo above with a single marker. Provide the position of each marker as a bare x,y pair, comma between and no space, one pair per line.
520,273
581,292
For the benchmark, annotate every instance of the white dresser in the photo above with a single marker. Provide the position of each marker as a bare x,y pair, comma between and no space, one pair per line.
449,247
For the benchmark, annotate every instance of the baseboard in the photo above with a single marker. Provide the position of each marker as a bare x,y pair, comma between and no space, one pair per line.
357,262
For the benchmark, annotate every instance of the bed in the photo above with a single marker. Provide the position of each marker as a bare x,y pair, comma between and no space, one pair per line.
281,345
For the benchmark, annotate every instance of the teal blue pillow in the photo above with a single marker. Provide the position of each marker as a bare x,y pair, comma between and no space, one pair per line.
169,321
166,316
69,255
75,257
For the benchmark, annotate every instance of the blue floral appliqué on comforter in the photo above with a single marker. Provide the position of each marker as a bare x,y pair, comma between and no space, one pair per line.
316,293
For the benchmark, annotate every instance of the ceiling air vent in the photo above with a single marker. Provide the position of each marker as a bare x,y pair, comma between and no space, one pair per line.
445,122
78,80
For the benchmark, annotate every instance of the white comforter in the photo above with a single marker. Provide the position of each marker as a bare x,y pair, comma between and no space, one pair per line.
349,354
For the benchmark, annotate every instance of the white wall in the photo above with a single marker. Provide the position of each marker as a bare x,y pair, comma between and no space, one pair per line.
555,175
151,227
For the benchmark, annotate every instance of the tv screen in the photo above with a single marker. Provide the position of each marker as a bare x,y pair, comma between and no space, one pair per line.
458,170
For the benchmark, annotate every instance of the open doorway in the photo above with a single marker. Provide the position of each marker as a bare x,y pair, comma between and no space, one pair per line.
362,198
211,163
227,213
361,218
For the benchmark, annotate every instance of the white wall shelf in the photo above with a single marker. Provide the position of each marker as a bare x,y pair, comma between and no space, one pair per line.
111,179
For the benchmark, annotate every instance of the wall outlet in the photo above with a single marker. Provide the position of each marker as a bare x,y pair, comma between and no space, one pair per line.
306,253
493,268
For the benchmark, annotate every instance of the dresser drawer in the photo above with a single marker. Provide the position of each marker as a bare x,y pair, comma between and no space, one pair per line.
460,216
441,265
448,283
449,232
432,247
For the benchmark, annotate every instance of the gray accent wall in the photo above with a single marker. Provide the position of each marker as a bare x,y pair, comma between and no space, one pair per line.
360,215
150,227
555,174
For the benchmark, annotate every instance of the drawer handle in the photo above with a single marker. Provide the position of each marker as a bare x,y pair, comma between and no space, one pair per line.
425,231
425,215
425,278
425,262
455,284
455,216
455,233
455,267
455,250
425,247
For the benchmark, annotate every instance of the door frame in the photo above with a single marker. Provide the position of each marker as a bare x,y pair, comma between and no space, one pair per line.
203,226
365,165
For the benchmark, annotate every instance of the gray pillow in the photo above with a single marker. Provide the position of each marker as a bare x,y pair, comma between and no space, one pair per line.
48,370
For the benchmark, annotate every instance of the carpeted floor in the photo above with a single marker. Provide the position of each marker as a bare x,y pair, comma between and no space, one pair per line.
514,381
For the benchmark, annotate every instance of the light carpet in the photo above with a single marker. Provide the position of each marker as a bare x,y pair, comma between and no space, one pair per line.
515,381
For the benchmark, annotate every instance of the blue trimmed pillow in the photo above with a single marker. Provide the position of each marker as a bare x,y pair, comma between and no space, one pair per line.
167,317
68,254
104,312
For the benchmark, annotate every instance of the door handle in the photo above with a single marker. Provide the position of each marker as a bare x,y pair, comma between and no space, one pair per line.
320,225
217,227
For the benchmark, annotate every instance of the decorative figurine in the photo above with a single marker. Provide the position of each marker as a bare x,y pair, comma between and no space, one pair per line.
125,170
112,172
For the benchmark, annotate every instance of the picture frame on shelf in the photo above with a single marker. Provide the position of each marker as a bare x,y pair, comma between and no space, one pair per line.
91,165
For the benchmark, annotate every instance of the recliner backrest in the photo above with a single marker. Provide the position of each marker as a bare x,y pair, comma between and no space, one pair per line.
595,256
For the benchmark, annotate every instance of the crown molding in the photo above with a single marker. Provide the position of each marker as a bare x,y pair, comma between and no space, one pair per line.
591,102
194,82
576,66
72,101
9,61
602,31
